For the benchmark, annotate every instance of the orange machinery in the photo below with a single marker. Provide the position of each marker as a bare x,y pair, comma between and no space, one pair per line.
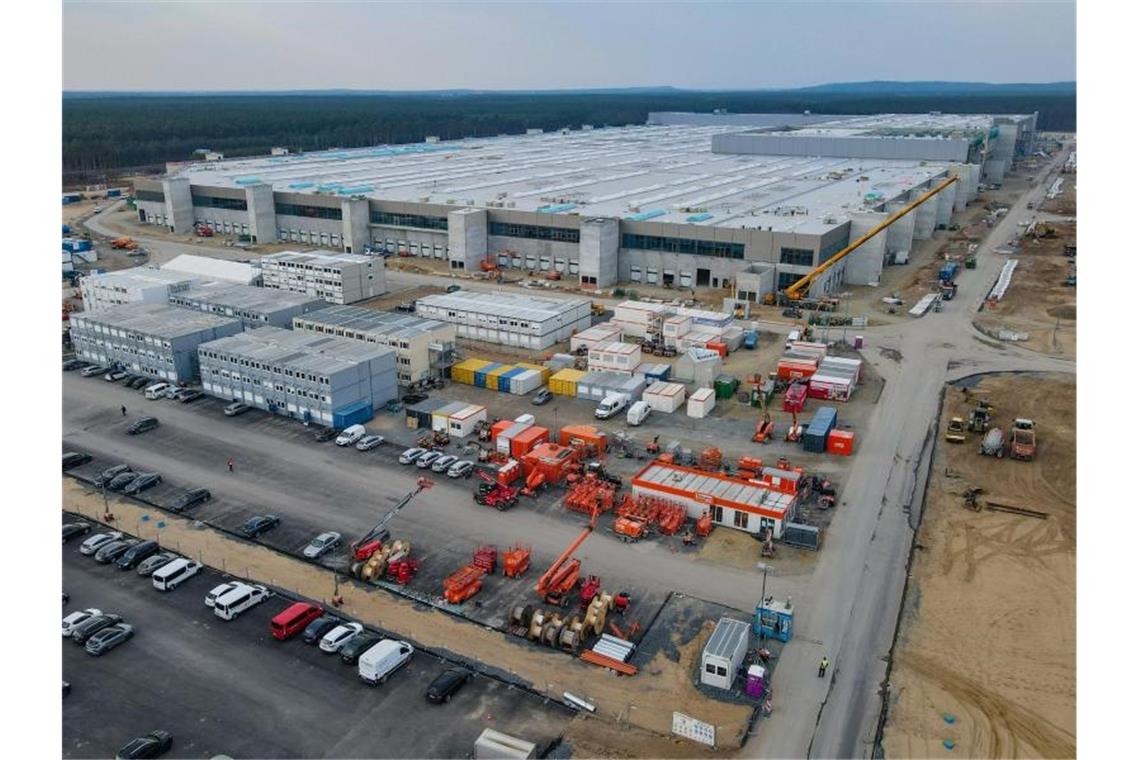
549,463
562,576
516,560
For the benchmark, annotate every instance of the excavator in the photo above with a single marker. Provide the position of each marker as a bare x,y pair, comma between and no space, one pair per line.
557,583
797,291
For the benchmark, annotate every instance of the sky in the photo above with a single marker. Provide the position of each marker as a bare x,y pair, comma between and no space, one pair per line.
238,45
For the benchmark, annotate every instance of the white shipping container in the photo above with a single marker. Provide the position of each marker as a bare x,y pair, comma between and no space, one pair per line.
701,403
664,397
462,423
527,418
843,365
526,382
503,440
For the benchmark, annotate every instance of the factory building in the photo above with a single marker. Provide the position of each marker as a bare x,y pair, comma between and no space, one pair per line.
153,339
424,348
508,319
300,374
255,307
127,286
739,202
338,278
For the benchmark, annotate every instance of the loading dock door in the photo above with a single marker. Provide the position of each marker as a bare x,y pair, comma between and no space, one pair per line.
702,278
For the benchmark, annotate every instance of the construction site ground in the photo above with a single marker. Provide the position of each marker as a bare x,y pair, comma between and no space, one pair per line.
986,651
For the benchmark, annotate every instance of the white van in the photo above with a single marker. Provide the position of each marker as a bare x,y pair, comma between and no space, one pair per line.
637,413
793,336
350,435
382,660
158,390
230,605
611,405
173,574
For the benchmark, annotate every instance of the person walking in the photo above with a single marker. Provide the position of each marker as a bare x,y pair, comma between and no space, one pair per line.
230,464
823,667
123,409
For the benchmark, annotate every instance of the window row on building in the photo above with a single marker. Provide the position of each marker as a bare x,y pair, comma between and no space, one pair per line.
798,256
533,232
409,220
312,212
262,366
213,201
683,245
236,377
152,196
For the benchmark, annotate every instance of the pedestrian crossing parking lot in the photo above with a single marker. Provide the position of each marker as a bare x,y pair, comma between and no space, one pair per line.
230,688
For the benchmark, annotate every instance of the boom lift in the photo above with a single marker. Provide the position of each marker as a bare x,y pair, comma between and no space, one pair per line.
368,544
562,576
798,289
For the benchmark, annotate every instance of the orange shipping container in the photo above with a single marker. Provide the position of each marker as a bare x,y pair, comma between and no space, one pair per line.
522,443
841,442
499,427
588,434
793,370
718,346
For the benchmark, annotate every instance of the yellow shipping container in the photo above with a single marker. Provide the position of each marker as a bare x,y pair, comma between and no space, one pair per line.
464,371
544,370
565,382
492,383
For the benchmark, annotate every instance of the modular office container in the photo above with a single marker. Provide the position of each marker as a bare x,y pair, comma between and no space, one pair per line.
509,319
664,397
724,654
701,403
597,385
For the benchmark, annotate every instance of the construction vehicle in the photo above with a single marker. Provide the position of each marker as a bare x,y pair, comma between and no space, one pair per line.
980,417
516,561
124,243
956,430
1022,440
589,590
492,493
993,445
629,529
371,542
948,290
562,576
763,429
463,584
597,309
798,290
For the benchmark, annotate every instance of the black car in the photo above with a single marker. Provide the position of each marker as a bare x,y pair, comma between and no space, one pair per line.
114,550
189,499
413,398
71,530
191,395
325,434
142,482
319,627
154,744
258,524
121,481
109,474
143,425
358,645
136,554
83,631
73,364
141,381
72,459
447,683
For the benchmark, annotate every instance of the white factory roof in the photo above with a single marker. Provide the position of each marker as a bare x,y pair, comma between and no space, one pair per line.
245,297
503,304
212,269
140,277
158,319
641,173
300,351
310,259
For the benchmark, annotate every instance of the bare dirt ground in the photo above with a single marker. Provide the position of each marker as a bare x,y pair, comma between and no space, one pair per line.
125,221
1037,302
986,650
646,701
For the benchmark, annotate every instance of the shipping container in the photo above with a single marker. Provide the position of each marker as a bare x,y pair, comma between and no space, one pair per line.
558,362
545,372
491,376
464,371
841,442
115,193
830,387
793,369
504,381
719,346
654,372
525,382
440,416
701,403
524,442
815,437
503,438
795,398
664,397
565,382
352,414
462,423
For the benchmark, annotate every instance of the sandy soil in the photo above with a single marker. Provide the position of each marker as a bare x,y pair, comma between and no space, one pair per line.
988,636
646,701
1037,302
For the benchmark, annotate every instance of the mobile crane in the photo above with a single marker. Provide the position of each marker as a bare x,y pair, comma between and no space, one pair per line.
368,544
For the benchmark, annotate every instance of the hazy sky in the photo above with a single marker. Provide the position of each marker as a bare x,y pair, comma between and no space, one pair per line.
531,45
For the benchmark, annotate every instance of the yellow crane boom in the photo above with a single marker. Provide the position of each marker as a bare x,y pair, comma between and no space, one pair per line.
795,291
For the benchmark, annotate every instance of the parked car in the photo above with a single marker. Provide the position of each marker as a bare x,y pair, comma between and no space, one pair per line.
92,370
369,442
115,375
413,398
321,544
156,391
319,627
427,459
323,434
129,379
234,409
382,660
98,541
447,684
139,382
259,524
73,459
444,462
411,455
189,499
142,482
74,619
107,639
71,530
114,550
83,631
121,481
154,744
154,562
541,397
332,641
454,288
73,364
109,474
461,469
136,554
218,591
189,394
351,435
143,425
359,644
173,390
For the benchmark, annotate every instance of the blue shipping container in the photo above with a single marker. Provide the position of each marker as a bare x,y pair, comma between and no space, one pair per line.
481,375
114,193
352,414
815,437
505,379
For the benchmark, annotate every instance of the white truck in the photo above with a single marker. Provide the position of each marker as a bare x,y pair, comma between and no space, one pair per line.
611,405
637,413
382,660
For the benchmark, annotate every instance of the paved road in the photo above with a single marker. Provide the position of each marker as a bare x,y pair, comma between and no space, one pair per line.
228,687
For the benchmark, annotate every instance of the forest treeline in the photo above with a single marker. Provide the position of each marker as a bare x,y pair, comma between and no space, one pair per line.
116,133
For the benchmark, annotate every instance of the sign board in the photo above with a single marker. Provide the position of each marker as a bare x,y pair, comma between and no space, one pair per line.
691,728
703,498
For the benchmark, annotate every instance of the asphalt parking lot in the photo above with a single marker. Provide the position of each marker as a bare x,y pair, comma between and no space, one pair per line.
229,687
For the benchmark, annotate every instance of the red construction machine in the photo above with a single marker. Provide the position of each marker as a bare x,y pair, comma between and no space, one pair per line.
492,493
557,584
368,544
